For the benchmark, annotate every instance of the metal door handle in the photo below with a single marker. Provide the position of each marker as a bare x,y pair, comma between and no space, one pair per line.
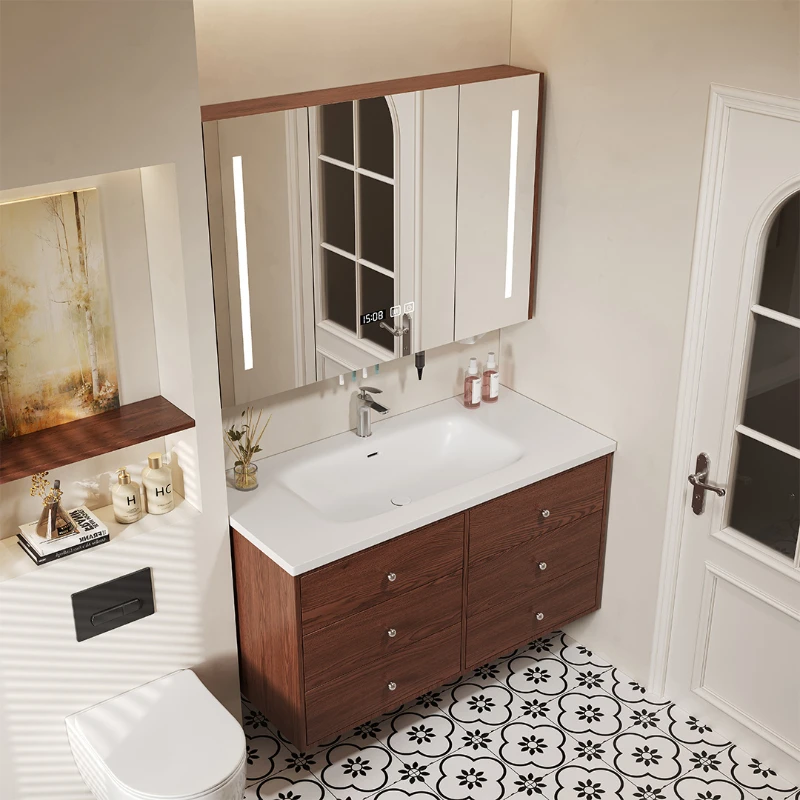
698,480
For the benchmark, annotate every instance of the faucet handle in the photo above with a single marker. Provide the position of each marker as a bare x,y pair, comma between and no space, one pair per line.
362,392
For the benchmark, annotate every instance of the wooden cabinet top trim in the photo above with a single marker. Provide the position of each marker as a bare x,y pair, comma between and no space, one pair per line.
360,91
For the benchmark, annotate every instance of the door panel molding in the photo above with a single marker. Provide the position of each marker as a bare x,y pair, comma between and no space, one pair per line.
713,575
723,101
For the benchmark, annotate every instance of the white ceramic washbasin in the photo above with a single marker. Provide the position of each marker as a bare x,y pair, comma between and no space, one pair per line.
371,476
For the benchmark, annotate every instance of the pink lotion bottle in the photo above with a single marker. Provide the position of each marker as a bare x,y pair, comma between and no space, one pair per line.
472,385
491,380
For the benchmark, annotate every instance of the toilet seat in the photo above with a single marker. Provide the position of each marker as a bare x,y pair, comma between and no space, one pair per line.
169,739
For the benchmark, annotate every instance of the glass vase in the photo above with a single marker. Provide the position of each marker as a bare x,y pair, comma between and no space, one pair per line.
245,477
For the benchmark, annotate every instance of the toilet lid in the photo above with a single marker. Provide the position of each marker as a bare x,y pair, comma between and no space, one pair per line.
170,738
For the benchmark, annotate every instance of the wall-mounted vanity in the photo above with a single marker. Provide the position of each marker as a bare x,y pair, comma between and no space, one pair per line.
356,225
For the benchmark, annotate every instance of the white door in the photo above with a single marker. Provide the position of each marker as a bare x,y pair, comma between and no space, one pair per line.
734,658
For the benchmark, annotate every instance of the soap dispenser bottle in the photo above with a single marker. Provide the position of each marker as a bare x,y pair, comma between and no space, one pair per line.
491,380
126,497
157,480
472,385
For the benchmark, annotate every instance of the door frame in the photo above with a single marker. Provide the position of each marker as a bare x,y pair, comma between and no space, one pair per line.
722,101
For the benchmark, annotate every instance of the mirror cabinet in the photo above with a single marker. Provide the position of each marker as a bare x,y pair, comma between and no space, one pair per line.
356,225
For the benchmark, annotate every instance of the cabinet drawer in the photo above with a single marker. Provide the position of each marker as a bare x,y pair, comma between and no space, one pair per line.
361,695
511,519
359,639
360,581
502,628
518,571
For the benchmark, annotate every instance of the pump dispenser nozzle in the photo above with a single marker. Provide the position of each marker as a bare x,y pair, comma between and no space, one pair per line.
419,363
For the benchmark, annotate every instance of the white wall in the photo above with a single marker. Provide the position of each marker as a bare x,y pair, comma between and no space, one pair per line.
89,88
256,48
627,89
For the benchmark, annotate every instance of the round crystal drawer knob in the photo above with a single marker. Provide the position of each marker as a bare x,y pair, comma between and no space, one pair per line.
543,565
545,512
392,686
539,616
392,577
392,633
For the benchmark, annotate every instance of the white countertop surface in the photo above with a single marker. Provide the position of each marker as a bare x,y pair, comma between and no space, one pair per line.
298,538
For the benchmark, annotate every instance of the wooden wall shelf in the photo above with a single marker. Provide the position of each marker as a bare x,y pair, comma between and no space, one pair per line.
85,438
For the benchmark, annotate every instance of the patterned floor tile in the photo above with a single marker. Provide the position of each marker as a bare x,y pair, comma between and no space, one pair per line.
586,780
539,675
588,715
688,730
578,656
353,770
549,721
755,776
473,776
266,755
287,787
532,747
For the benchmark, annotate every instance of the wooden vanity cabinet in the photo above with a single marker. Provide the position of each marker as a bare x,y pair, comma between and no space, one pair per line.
324,651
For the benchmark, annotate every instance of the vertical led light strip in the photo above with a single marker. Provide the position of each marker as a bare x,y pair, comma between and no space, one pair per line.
512,200
244,275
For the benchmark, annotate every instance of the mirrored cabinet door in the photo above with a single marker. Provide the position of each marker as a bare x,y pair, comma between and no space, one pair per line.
498,134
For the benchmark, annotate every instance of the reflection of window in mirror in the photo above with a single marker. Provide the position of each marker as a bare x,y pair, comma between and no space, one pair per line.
356,209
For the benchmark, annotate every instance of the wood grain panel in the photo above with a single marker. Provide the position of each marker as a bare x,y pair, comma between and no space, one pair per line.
606,504
362,695
508,625
516,572
513,518
358,582
345,647
92,436
537,193
270,652
360,91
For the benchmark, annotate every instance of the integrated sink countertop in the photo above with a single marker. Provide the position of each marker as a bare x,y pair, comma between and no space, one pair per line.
331,498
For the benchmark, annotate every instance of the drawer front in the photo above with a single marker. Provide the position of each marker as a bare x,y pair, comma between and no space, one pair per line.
511,519
545,557
362,695
360,581
346,646
501,629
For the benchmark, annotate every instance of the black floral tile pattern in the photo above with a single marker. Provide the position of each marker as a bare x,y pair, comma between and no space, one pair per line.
550,721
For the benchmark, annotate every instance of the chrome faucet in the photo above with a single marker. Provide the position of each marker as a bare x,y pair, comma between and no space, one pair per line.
365,403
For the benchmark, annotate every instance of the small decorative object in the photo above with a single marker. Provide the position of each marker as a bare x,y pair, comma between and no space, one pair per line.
243,442
54,521
57,359
126,498
157,480
89,531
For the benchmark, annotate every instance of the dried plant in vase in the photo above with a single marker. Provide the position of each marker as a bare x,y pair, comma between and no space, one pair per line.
243,441
54,521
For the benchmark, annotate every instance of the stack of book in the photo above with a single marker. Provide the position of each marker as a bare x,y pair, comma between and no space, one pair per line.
90,533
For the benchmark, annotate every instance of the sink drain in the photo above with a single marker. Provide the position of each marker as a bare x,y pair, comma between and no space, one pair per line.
403,500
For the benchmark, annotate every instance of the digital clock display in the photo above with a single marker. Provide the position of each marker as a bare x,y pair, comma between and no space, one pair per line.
373,316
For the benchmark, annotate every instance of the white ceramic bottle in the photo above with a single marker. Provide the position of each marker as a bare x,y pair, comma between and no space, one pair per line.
126,497
157,480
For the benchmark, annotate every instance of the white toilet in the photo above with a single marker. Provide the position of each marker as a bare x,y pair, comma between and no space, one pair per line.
169,739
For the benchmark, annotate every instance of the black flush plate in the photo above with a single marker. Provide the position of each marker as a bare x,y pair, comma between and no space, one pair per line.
113,604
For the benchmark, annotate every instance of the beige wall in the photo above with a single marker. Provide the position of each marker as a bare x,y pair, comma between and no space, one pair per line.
89,88
255,48
627,88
